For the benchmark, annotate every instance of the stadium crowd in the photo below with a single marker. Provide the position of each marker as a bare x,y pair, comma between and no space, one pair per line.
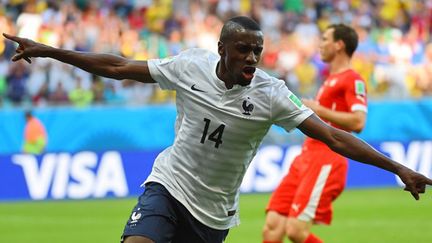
394,54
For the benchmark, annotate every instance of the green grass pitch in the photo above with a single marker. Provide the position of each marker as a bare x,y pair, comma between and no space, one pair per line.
378,215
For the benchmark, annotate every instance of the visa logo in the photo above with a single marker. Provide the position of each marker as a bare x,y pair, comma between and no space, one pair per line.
417,156
78,176
267,169
272,162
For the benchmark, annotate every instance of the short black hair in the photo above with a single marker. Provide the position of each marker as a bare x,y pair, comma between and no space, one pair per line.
234,24
348,35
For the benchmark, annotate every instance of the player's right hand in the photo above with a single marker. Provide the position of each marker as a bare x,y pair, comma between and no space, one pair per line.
26,48
414,182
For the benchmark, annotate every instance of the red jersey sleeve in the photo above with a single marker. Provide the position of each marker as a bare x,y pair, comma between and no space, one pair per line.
355,92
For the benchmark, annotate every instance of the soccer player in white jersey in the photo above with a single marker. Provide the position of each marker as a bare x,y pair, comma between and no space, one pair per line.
225,107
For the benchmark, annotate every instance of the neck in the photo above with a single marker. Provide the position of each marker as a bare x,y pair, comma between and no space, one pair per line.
222,75
340,64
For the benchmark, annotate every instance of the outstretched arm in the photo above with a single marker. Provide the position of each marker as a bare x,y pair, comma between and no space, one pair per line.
349,146
352,121
106,65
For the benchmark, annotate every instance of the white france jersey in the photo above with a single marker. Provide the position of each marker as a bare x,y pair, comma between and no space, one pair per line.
218,132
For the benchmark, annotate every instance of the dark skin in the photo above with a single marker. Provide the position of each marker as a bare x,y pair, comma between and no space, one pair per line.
239,55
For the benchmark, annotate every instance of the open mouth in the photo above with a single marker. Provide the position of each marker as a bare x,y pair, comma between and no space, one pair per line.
248,72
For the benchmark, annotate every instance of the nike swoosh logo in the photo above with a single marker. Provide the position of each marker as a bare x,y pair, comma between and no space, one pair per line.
196,89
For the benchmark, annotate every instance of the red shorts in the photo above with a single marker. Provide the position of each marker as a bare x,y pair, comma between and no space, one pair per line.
315,179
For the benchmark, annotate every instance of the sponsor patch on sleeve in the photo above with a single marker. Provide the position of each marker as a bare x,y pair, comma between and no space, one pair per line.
295,100
360,88
167,60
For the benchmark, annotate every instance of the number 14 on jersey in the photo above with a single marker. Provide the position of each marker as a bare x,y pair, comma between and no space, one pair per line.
215,136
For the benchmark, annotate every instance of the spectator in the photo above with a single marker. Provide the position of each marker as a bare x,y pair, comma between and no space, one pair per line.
152,29
42,95
59,96
16,82
79,96
111,95
424,73
2,89
35,136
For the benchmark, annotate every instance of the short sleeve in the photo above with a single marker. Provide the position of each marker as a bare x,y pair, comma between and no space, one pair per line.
166,71
287,109
355,94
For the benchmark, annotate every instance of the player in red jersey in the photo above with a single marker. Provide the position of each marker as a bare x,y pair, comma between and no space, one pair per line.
317,176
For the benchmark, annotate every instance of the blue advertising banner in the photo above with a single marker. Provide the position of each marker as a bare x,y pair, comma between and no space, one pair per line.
152,127
93,128
88,174
272,162
74,176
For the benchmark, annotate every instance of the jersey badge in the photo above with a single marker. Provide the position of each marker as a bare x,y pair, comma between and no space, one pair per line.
295,100
332,82
360,88
247,107
135,217
194,88
166,60
295,207
231,213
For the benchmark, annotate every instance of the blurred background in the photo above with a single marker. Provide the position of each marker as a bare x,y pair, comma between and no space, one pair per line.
102,135
393,56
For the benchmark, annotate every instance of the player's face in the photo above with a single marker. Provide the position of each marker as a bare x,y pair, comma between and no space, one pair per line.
240,56
328,46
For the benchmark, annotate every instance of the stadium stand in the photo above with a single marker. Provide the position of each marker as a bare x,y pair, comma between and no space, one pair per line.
394,54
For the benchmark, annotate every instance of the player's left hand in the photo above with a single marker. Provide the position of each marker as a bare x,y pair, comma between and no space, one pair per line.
414,182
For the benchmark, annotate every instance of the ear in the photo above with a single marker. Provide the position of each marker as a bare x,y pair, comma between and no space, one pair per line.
221,48
340,45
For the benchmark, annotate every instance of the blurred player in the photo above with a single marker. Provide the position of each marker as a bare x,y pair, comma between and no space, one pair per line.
317,176
225,106
35,136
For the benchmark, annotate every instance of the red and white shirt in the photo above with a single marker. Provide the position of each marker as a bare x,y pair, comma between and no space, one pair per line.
345,92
